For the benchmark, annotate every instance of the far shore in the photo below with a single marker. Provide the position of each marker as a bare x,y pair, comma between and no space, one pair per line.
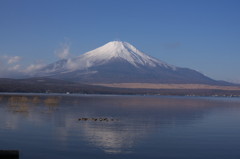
168,86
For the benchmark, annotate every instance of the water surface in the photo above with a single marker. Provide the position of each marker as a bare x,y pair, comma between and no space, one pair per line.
151,127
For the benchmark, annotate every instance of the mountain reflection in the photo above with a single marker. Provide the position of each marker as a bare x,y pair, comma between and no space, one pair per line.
138,117
114,138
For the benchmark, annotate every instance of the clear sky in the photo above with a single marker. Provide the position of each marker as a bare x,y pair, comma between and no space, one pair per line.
200,34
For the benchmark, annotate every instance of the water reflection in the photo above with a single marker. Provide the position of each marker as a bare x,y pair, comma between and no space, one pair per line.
25,104
139,119
112,138
36,100
52,101
19,104
52,104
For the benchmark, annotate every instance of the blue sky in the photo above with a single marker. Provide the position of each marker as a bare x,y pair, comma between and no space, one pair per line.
200,34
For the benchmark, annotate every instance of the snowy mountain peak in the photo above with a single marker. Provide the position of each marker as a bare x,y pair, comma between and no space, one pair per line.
120,50
112,51
118,47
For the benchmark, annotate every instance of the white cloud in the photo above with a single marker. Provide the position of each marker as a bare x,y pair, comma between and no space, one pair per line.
33,67
10,71
9,66
15,68
13,59
64,51
9,59
71,64
12,66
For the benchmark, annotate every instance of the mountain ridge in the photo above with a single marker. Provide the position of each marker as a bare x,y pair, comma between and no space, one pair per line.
121,62
100,55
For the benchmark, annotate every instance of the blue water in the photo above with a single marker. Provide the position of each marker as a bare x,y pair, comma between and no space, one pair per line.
137,127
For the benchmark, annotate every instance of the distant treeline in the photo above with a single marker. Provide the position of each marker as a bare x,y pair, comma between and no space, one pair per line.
45,85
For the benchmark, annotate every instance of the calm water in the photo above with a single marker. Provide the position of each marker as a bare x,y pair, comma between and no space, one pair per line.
148,127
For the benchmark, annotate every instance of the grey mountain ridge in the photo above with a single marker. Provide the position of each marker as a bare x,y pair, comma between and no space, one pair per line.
120,62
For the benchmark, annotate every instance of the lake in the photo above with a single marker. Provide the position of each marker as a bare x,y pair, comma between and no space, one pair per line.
126,127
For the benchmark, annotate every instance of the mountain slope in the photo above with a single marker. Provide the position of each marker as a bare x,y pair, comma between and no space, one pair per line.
104,54
120,62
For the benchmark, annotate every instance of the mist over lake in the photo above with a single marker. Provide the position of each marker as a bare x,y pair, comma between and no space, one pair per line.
115,126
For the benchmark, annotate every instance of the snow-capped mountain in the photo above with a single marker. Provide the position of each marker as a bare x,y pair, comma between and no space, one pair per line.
104,54
122,50
120,62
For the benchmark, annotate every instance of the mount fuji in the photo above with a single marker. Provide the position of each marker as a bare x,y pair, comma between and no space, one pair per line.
121,62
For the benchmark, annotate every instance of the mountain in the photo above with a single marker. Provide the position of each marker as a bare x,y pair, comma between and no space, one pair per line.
121,62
